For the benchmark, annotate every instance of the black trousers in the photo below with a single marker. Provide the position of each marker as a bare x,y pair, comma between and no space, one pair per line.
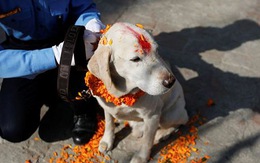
21,100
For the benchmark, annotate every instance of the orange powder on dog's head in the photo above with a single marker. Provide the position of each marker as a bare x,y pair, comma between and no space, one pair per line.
145,45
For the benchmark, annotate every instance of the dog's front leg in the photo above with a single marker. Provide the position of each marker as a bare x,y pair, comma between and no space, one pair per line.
150,127
106,143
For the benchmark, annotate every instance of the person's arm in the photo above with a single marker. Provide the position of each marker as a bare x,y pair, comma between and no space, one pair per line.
22,63
88,16
84,11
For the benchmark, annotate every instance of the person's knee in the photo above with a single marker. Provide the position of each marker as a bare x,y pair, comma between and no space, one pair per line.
15,134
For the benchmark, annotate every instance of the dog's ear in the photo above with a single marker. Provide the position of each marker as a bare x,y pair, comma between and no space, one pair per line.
98,65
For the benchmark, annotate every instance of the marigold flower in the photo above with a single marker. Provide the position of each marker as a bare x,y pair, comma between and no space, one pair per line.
103,40
36,138
106,29
99,89
110,42
183,147
210,102
140,26
85,153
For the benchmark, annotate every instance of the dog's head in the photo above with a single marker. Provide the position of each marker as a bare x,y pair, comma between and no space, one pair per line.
129,60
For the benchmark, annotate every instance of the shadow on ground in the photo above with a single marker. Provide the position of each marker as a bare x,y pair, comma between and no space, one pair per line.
230,91
236,148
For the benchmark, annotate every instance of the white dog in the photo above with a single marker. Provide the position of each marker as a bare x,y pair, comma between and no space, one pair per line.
128,63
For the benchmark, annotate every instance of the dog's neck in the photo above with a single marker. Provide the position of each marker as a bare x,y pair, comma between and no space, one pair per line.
98,88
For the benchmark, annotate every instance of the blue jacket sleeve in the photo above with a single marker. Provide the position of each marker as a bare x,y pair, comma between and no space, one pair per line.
22,63
28,63
85,11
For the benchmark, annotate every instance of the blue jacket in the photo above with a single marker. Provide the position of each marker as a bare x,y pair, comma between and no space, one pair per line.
38,20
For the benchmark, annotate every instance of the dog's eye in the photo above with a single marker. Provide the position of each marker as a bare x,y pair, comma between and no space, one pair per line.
135,59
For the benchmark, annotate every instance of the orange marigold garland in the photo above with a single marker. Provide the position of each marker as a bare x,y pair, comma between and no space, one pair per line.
99,89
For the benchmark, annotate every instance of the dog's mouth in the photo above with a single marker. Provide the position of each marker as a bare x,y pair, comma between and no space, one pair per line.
157,89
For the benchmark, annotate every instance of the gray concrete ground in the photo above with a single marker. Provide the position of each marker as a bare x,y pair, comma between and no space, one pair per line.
214,49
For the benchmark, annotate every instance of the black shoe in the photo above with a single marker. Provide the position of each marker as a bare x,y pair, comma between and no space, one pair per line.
84,129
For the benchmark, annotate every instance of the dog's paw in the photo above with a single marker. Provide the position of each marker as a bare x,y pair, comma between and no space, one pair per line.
137,129
104,147
106,143
137,133
137,159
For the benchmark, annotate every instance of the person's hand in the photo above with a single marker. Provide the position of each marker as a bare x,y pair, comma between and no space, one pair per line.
90,40
91,36
94,25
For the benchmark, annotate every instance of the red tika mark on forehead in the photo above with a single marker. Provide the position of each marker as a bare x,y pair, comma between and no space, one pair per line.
145,45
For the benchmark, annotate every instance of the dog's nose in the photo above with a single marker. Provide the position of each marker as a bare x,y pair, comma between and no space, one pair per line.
169,81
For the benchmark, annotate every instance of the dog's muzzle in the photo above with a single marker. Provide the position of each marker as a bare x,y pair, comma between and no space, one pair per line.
168,83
